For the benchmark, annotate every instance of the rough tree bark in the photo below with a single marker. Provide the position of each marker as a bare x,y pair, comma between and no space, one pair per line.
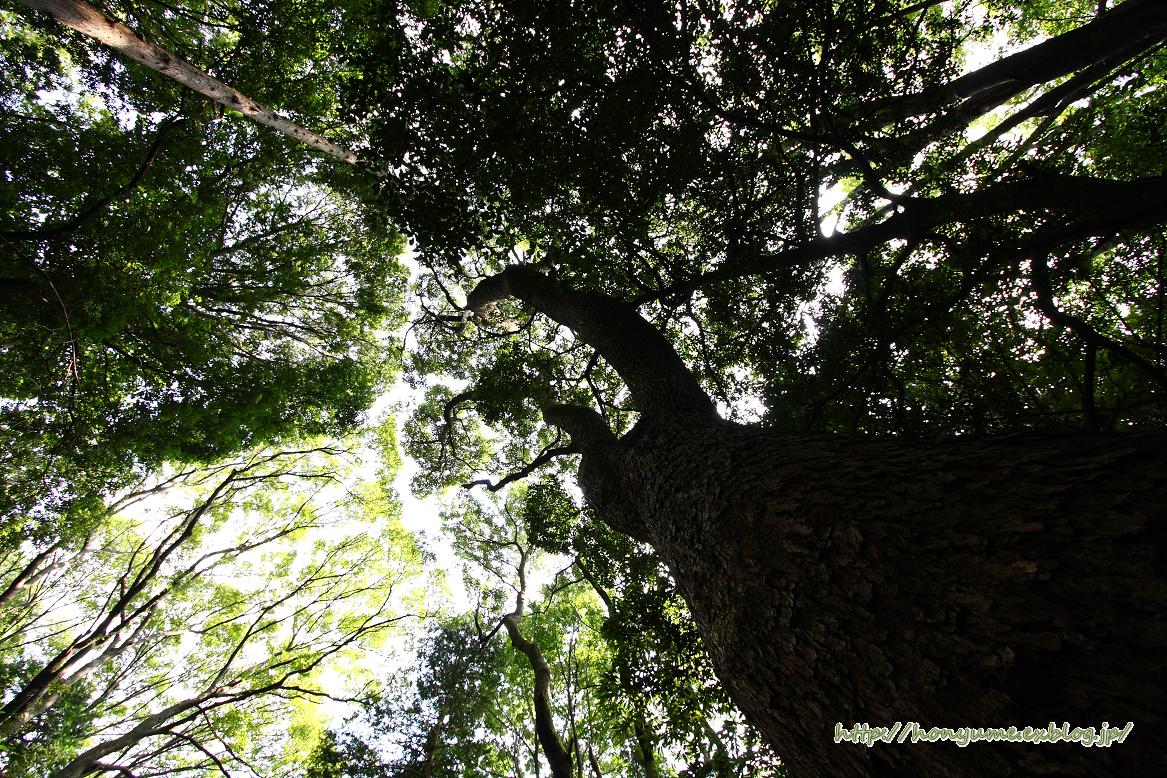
90,21
981,582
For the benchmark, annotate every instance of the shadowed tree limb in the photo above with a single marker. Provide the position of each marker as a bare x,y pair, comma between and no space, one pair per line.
1112,37
1039,273
1097,206
88,212
657,378
546,455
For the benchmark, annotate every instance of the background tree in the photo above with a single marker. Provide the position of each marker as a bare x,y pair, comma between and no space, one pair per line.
211,292
485,696
199,640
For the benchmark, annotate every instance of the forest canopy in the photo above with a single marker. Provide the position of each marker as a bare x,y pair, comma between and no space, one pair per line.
609,254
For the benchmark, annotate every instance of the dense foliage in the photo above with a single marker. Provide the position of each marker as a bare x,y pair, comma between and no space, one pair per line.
846,217
686,156
176,285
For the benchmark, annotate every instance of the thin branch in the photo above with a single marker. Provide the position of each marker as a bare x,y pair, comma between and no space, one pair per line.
546,455
1039,275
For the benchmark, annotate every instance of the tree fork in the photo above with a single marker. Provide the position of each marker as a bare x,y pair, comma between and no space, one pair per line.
1116,35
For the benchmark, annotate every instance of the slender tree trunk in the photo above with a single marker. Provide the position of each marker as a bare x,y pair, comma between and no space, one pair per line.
557,756
979,582
594,762
432,742
643,747
155,724
35,569
90,21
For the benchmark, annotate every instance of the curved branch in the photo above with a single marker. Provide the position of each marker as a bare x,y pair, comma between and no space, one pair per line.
602,593
91,210
659,381
1039,275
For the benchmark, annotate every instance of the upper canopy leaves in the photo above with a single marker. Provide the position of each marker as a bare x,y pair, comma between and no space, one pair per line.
1000,262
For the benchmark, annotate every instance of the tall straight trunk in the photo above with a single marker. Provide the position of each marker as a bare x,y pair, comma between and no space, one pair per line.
90,21
979,582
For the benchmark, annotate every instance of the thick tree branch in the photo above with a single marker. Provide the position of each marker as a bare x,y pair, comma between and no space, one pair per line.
1095,206
659,381
590,434
1112,37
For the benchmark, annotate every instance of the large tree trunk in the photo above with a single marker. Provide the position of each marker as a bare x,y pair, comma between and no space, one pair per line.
978,582
981,583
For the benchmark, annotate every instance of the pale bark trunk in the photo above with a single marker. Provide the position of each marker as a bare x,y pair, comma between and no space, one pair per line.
34,570
155,724
89,21
28,701
986,582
